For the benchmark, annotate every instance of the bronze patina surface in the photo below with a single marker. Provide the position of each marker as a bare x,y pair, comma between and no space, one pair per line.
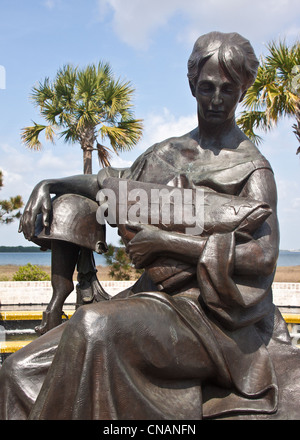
198,335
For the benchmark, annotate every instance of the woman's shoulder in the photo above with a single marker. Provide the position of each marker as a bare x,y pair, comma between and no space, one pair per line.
175,143
253,155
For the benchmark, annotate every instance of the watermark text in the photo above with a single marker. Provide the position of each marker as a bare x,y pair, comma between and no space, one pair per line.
2,77
163,206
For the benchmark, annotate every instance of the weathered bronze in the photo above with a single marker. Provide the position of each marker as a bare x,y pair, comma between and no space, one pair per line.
198,335
73,233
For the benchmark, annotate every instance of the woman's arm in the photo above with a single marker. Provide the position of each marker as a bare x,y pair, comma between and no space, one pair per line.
259,255
151,242
40,200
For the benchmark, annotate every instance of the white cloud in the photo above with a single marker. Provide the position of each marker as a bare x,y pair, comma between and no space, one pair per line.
50,4
134,21
118,162
64,163
23,169
48,160
296,203
11,178
162,126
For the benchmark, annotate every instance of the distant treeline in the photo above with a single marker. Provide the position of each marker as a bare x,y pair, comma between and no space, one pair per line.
20,249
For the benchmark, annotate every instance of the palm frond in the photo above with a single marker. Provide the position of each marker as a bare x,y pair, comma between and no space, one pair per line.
123,136
86,84
117,100
30,136
51,111
250,120
271,97
42,93
282,58
78,102
104,155
255,98
50,133
70,134
65,88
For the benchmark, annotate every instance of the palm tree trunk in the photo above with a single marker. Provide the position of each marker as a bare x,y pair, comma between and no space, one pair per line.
87,139
87,160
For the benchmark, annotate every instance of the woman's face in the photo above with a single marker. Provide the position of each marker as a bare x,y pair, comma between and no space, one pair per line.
217,95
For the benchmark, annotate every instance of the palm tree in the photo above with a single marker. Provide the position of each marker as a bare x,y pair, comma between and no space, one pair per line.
275,92
85,104
9,209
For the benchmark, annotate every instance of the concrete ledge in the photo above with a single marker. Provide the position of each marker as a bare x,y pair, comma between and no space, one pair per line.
40,292
286,286
286,294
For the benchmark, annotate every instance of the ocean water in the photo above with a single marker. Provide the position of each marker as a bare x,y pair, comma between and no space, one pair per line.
37,258
286,258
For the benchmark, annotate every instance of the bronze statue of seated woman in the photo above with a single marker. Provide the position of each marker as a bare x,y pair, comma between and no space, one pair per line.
198,335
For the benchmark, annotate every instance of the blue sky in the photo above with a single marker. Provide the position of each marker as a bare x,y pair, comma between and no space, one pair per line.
148,43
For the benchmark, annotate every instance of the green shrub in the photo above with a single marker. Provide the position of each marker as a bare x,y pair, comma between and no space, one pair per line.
120,265
31,273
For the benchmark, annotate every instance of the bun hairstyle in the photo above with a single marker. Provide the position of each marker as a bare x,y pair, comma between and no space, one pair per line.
235,53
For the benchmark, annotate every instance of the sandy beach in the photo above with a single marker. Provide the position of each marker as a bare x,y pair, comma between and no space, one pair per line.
289,274
7,272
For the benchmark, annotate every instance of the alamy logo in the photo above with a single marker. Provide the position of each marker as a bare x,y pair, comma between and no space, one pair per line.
174,206
2,77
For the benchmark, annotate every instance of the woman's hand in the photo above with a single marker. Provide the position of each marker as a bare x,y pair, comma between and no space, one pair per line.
145,245
39,201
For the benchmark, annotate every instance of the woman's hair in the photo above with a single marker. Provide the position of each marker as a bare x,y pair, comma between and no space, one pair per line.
235,53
